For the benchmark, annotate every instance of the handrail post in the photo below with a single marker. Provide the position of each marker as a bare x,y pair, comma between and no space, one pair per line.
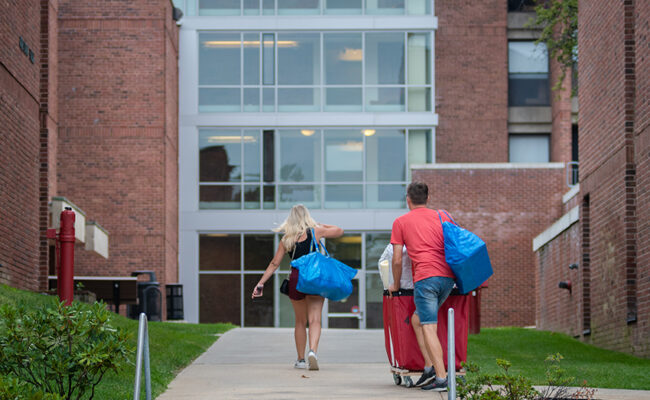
142,351
451,356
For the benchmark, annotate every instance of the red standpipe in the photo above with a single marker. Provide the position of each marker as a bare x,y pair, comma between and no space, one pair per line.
66,270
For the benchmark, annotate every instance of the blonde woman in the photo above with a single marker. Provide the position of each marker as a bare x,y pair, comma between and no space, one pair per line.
307,308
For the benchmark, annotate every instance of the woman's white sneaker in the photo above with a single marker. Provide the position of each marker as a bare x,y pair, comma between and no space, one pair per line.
300,364
313,361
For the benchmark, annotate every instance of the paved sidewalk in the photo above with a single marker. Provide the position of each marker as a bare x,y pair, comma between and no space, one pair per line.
257,363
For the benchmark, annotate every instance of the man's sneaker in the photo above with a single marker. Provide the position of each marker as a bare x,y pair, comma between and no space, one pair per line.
438,385
313,361
426,378
300,364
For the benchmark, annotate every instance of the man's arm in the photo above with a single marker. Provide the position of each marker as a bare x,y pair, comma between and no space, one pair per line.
397,267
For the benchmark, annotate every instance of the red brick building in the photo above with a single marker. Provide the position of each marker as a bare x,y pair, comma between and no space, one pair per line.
92,118
608,244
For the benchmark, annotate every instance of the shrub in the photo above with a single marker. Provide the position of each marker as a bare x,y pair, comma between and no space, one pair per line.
13,389
60,350
504,386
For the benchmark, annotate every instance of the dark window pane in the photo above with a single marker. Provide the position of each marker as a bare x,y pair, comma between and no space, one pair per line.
258,311
269,156
374,300
528,90
252,197
269,197
219,299
219,156
258,252
219,252
346,249
219,197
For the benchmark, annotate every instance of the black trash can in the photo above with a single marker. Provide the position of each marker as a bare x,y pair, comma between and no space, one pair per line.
149,298
174,293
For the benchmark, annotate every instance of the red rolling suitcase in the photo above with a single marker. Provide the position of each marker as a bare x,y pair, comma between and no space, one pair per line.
401,344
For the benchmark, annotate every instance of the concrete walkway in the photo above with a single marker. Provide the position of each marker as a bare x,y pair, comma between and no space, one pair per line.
257,363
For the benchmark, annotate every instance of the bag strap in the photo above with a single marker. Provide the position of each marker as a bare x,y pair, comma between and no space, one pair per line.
317,243
448,216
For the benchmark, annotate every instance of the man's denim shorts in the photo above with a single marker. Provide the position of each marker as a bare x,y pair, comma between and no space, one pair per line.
429,294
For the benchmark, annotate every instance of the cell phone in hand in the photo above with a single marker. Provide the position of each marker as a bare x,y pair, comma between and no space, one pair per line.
258,290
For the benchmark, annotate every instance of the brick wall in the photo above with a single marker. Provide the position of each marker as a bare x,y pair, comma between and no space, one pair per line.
614,162
559,309
19,144
118,130
524,203
642,159
471,57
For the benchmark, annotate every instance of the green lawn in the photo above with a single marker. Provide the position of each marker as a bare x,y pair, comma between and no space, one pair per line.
527,349
172,347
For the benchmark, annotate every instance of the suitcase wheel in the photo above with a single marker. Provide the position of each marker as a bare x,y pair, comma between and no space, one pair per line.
397,379
408,382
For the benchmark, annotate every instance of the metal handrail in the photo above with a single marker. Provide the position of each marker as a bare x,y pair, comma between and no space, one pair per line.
451,356
142,353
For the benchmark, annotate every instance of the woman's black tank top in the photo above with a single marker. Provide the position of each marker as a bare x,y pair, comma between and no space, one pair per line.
302,248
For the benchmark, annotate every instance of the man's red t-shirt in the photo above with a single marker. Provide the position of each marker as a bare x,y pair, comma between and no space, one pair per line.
420,230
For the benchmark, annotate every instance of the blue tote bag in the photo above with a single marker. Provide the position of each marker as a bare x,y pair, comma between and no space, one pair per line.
466,255
323,275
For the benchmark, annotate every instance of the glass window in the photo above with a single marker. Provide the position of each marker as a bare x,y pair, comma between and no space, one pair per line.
343,99
258,252
385,155
387,99
269,58
219,252
251,59
298,99
385,58
251,7
219,197
219,59
251,143
419,58
347,7
420,147
418,7
343,55
346,249
419,99
219,155
385,7
219,7
299,155
252,197
375,245
219,100
258,311
374,301
214,292
343,155
251,99
528,83
290,195
298,7
268,7
343,196
385,196
298,58
529,148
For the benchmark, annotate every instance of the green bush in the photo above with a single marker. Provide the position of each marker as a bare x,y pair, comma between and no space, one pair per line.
13,389
505,386
60,350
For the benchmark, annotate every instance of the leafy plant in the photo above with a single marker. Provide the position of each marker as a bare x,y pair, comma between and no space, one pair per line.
505,386
559,22
60,350
13,389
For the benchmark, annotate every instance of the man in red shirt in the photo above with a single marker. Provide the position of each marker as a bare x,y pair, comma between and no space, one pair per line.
420,230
